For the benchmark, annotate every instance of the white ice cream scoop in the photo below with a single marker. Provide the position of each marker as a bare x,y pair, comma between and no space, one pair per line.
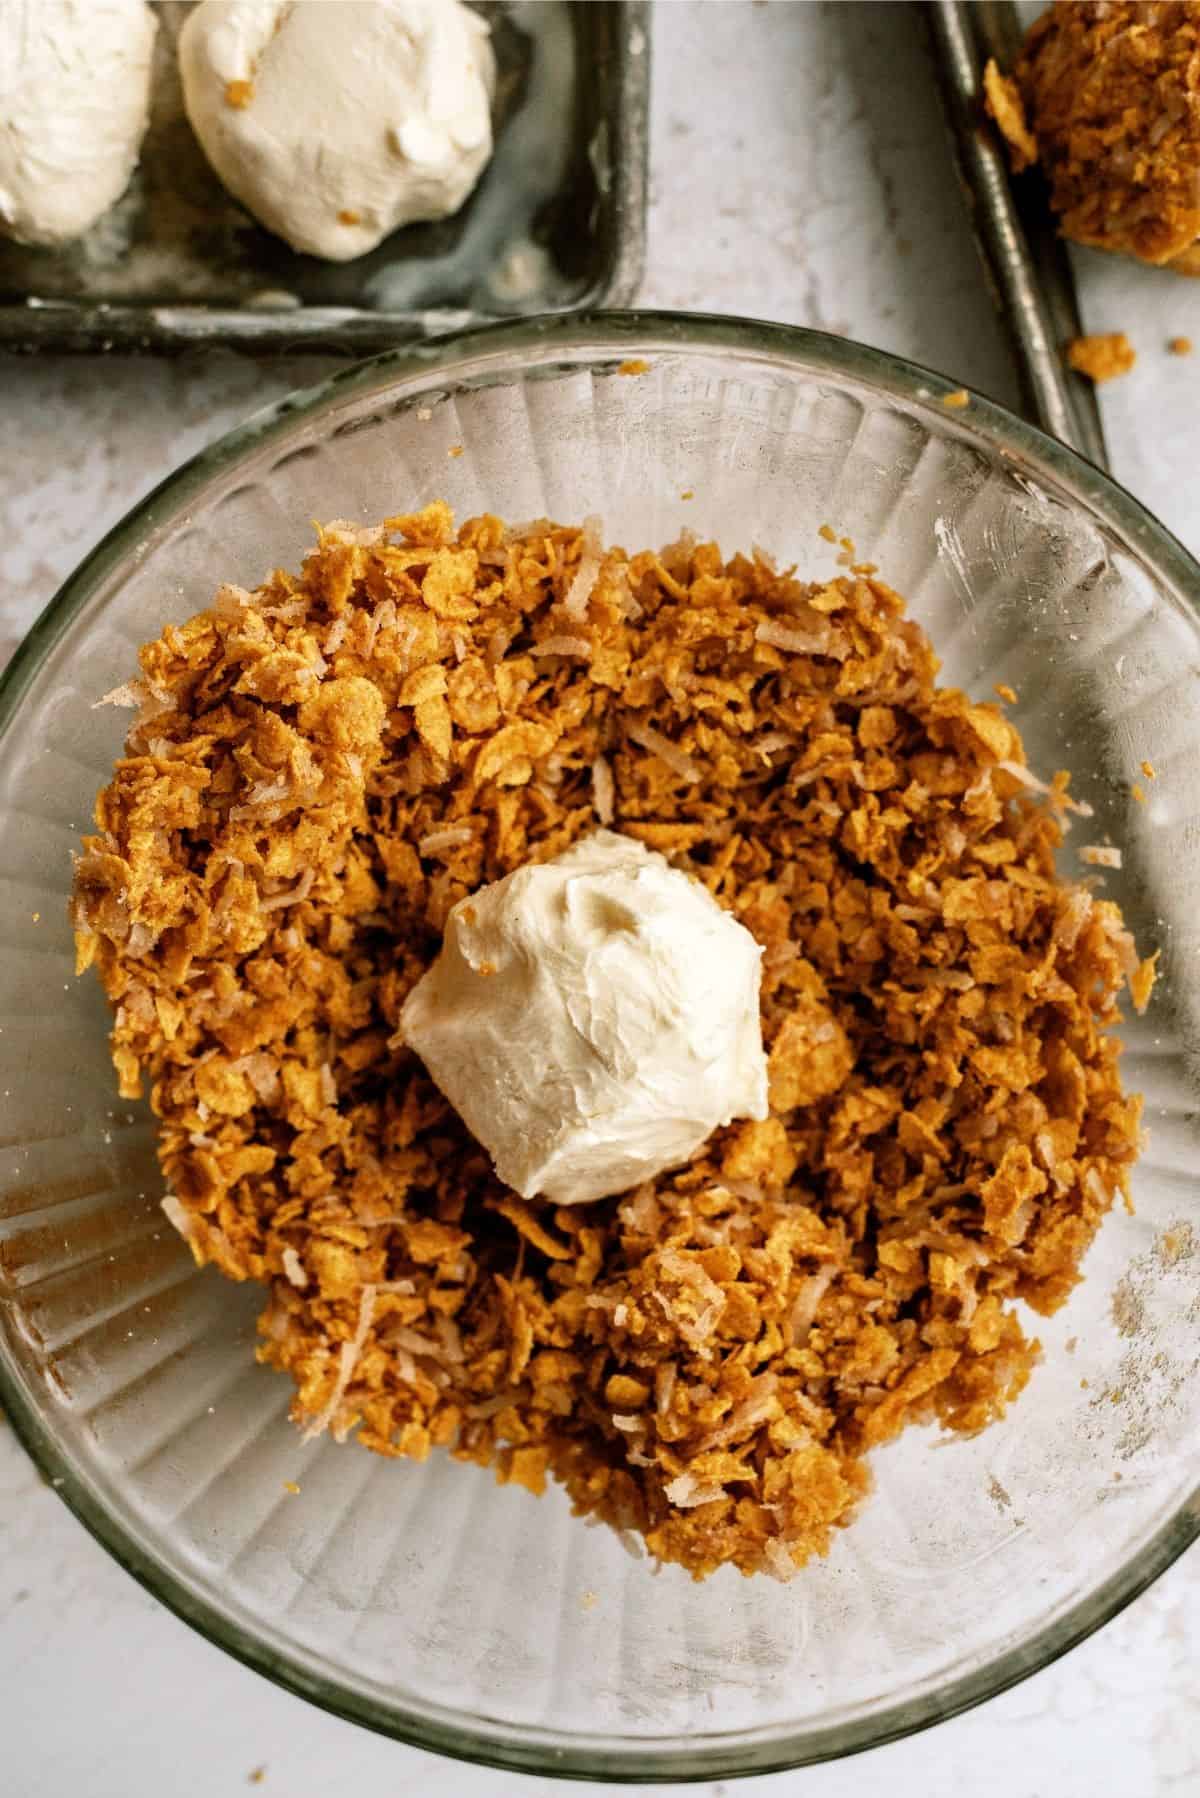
74,100
592,1019
336,123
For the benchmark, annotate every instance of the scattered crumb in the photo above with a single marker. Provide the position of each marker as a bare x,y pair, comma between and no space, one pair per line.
827,532
1002,99
1085,1385
1139,793
348,216
1175,1244
959,398
633,365
1148,771
589,1601
1003,691
1128,1310
37,917
1100,855
1102,355
998,1492
1180,346
688,493
424,414
239,94
256,1776
455,450
292,1487
1071,1344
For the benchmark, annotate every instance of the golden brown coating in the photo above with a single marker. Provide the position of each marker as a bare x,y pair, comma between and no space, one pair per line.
1102,355
323,767
1112,93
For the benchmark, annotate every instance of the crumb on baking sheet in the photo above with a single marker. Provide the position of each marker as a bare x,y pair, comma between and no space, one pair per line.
322,767
1101,355
1002,99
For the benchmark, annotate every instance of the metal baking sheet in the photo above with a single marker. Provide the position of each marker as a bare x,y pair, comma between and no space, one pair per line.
1026,259
557,222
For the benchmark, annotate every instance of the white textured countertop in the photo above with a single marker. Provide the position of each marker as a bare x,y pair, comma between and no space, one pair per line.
799,171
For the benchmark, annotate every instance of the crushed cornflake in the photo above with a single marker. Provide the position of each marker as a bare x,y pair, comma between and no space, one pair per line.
1002,98
1108,88
706,1363
1102,355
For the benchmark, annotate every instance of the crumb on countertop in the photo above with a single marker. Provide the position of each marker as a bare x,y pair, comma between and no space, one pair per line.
1101,355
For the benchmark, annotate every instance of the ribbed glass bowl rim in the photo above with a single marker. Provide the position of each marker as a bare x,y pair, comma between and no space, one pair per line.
497,351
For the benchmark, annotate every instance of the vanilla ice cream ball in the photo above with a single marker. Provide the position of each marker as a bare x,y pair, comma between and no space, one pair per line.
592,1019
336,121
74,101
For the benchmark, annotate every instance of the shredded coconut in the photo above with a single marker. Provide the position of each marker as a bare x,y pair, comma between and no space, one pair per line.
797,642
675,758
563,646
583,583
347,1362
293,1267
603,790
452,836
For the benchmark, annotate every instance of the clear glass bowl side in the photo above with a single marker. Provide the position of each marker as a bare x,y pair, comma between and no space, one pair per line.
424,1600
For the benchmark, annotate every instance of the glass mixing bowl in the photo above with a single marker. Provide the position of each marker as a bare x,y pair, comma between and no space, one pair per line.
423,1600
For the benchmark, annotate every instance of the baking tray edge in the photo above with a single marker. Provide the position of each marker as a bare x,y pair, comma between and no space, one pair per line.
39,326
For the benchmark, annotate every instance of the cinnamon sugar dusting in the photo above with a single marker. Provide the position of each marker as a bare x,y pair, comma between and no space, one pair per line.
321,768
